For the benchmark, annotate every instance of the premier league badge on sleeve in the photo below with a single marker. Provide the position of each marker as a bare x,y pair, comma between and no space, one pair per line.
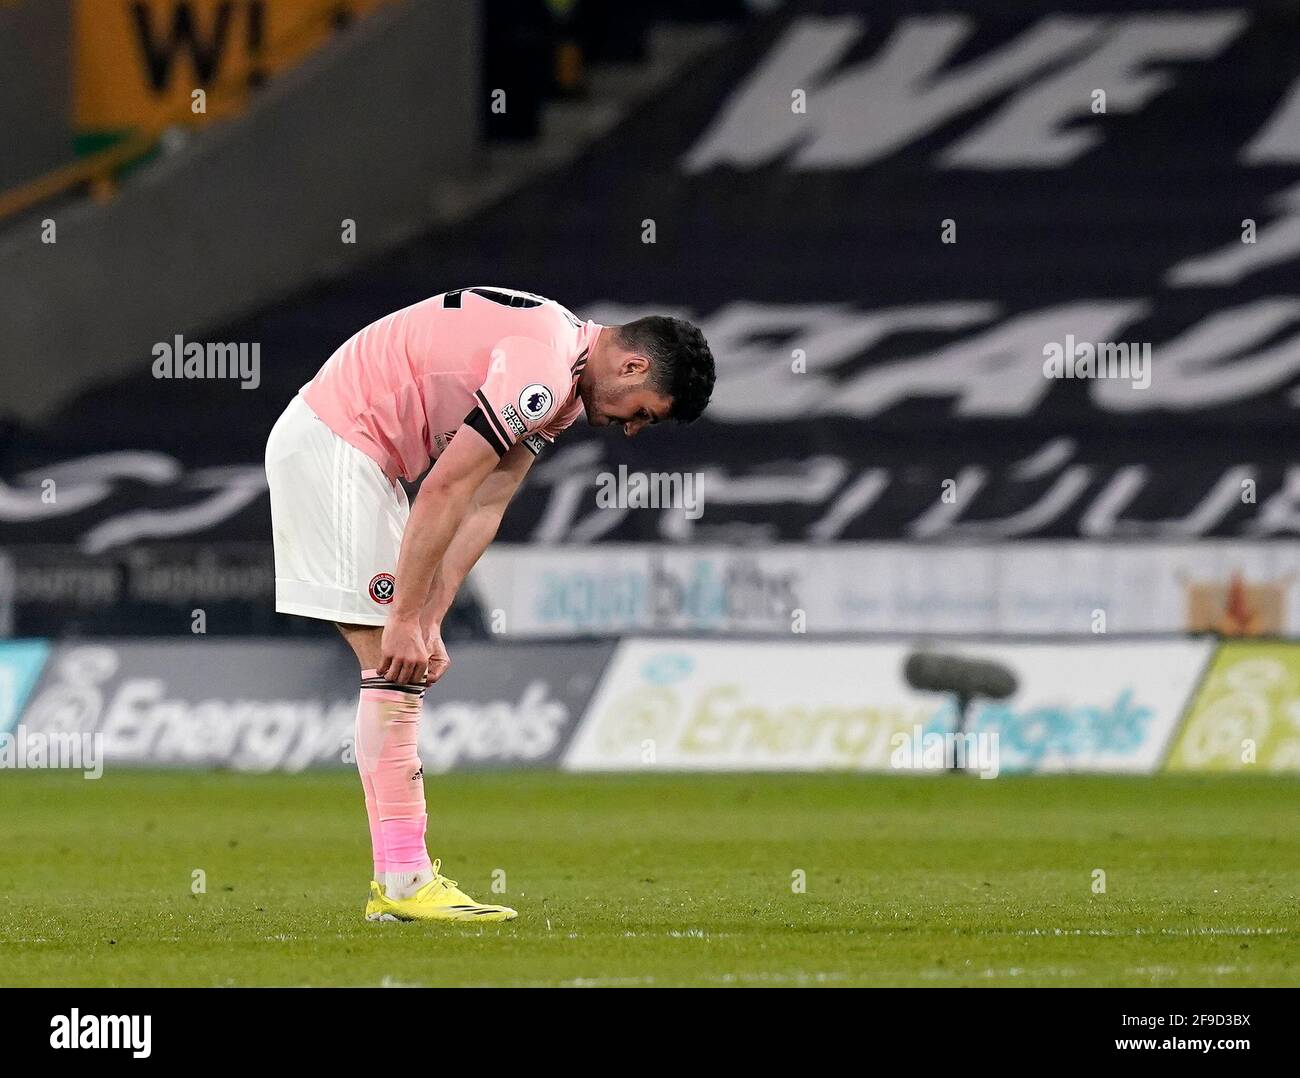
535,401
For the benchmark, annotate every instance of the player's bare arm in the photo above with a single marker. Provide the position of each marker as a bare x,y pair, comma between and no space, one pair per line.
444,499
477,529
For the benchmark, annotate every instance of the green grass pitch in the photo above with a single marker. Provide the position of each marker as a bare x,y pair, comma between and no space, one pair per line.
659,880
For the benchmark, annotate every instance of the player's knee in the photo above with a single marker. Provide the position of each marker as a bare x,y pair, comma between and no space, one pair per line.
366,642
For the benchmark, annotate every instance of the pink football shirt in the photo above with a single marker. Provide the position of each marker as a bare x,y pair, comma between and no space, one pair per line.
506,362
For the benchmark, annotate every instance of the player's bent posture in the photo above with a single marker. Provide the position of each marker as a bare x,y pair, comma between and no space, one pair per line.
479,381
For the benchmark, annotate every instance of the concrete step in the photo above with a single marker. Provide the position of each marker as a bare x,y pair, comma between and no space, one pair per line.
568,127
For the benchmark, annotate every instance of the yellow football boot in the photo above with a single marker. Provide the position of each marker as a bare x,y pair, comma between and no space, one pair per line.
375,904
438,900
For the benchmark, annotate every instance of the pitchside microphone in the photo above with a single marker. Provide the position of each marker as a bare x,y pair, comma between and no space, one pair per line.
968,678
965,678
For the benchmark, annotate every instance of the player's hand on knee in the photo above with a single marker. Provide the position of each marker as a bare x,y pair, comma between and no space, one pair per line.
405,655
439,660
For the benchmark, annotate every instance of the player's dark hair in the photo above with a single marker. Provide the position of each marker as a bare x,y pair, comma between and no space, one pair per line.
681,365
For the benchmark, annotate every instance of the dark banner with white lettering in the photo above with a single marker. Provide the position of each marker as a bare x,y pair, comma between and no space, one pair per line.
1009,271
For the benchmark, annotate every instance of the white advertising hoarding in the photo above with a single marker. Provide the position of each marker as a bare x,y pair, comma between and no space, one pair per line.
1066,588
801,705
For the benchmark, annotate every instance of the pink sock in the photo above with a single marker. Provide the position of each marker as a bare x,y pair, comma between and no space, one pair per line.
388,729
372,811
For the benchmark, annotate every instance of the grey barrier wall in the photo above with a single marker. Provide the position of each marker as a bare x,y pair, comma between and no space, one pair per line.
35,88
248,211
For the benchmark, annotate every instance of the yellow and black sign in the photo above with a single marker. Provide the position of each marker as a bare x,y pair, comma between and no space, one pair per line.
139,62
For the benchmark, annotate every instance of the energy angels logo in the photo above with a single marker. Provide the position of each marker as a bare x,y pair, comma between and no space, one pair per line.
644,716
74,703
651,713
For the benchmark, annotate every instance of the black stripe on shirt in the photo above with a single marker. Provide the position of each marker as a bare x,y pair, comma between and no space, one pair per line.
497,422
506,299
483,425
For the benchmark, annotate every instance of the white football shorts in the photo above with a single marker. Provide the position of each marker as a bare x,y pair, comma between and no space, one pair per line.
336,522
